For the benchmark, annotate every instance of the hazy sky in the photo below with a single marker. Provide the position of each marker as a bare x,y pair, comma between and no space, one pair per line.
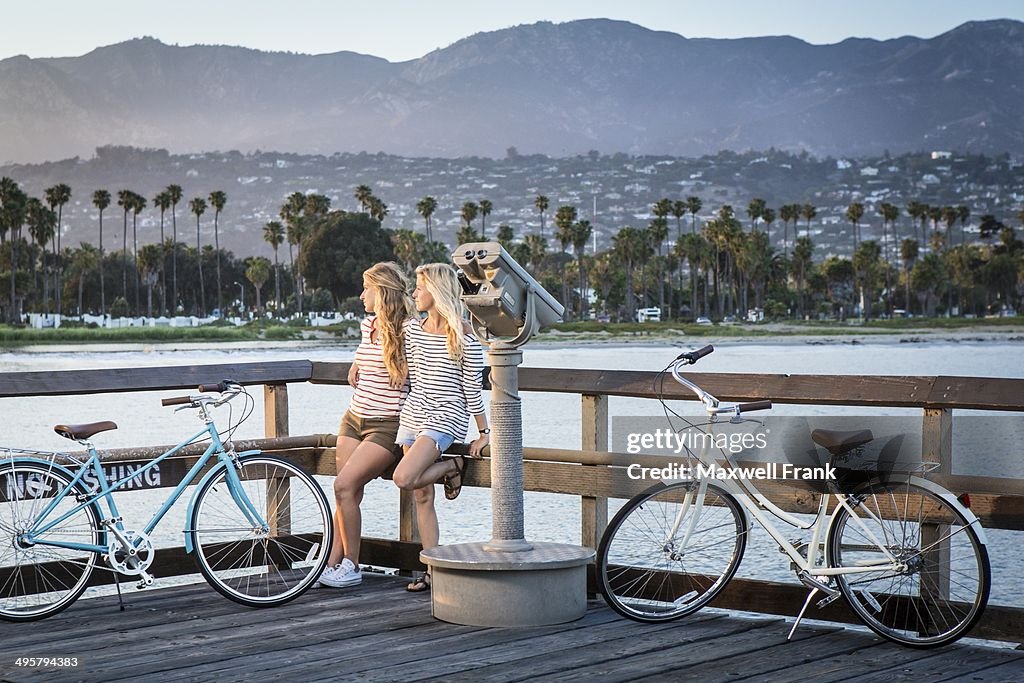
405,29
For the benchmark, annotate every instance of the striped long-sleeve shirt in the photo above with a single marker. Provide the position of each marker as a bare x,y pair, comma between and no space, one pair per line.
444,393
374,396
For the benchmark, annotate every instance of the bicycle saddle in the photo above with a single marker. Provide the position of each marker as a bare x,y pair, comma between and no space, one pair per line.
837,443
84,431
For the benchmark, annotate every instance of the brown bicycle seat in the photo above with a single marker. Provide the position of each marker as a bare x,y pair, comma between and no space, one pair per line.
84,431
837,443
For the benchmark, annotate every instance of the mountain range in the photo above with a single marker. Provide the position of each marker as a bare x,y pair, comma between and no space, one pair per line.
557,89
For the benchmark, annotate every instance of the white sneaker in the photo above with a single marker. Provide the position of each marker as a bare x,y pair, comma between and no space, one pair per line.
341,575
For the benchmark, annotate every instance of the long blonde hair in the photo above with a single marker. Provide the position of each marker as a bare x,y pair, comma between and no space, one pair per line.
440,281
393,307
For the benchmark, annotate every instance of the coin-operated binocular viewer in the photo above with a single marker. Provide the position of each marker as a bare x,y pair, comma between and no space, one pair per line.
504,300
506,581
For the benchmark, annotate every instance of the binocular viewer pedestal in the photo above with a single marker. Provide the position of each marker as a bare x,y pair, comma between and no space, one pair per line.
476,587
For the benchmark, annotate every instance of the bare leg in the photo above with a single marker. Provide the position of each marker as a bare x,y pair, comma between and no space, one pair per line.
342,452
367,462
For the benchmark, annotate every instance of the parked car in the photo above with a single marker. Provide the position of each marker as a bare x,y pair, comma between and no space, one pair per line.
702,321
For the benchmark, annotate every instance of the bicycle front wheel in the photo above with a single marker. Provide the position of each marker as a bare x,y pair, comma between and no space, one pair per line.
38,580
936,586
261,566
670,550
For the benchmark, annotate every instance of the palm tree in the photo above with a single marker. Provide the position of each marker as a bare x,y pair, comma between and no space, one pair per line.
198,207
470,210
909,251
693,206
787,214
41,225
174,194
162,201
217,201
257,273
125,199
963,213
57,196
101,200
426,207
808,212
628,246
542,203
138,204
678,211
378,209
854,212
754,210
291,214
505,236
83,261
13,203
565,216
485,210
363,194
581,231
658,233
273,234
148,262
768,217
538,247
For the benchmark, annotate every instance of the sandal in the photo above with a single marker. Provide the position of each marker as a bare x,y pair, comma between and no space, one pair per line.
453,481
420,585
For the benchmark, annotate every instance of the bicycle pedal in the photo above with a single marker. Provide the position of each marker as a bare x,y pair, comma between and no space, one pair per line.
828,600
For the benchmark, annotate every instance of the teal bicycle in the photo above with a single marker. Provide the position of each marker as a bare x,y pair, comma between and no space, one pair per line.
258,527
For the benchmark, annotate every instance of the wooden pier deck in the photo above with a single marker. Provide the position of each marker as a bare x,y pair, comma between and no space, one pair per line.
378,632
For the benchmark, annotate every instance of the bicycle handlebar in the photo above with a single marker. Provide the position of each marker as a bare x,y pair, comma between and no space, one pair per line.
228,387
694,356
754,405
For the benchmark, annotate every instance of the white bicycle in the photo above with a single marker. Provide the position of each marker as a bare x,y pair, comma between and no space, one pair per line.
906,555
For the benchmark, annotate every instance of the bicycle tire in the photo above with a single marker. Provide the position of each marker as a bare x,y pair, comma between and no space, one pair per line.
939,596
644,576
38,581
262,568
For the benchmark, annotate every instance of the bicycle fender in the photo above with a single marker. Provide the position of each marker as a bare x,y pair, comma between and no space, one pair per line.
950,499
199,487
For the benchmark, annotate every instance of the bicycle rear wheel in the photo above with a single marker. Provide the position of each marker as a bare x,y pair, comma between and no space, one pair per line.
647,572
37,580
940,587
268,566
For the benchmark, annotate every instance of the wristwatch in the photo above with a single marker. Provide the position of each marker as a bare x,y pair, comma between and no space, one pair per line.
486,430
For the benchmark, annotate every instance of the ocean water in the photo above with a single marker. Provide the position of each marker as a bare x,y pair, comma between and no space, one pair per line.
550,420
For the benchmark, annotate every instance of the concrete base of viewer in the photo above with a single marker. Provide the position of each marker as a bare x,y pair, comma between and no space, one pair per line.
477,587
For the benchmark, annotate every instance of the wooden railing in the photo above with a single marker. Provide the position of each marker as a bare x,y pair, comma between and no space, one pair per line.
593,473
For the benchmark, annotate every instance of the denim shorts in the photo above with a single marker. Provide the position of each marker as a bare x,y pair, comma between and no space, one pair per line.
407,437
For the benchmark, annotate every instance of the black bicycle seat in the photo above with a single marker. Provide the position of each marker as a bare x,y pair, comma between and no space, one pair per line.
838,443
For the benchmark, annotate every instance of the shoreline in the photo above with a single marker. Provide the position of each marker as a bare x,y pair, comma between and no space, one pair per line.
555,339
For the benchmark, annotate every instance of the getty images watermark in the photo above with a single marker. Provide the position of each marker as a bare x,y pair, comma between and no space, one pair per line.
725,440
772,448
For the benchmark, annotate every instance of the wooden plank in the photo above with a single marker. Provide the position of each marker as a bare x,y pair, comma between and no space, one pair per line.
951,663
910,391
714,660
564,659
74,382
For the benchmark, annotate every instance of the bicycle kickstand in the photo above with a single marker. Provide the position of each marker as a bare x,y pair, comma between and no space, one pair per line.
807,603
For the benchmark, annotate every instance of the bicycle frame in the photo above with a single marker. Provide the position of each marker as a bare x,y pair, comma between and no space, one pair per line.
754,504
106,489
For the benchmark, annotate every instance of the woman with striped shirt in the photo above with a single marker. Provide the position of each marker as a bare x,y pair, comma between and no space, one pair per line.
366,440
446,374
